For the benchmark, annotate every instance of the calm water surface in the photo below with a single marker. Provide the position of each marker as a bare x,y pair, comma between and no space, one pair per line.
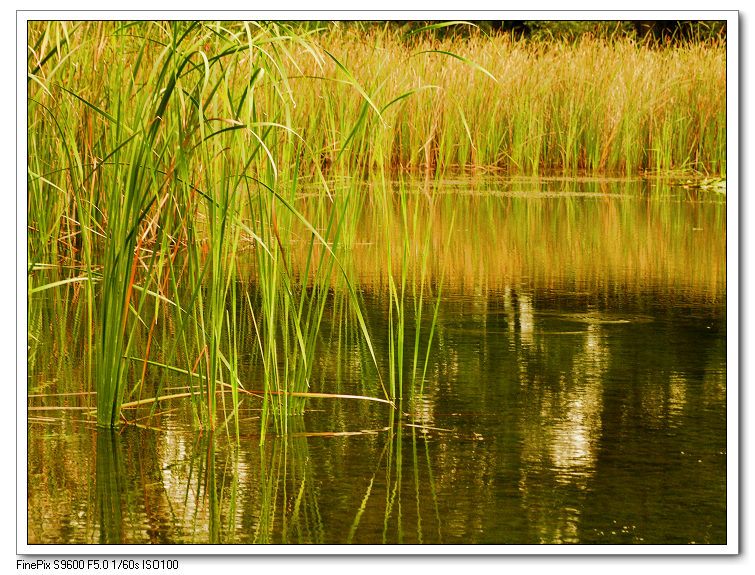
575,393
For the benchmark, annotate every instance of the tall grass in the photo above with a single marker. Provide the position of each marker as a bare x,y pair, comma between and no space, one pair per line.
183,156
523,106
160,151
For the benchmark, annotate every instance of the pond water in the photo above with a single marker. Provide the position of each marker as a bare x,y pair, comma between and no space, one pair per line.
575,393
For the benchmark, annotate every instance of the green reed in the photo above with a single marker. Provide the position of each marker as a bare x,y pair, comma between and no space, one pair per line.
161,153
169,168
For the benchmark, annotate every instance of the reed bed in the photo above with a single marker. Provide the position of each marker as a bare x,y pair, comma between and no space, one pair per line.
521,106
161,154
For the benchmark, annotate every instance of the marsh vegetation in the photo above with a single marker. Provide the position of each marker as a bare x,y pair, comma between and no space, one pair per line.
247,240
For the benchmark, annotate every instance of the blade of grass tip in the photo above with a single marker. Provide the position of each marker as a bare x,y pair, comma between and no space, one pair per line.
155,295
100,111
357,86
34,78
62,282
465,60
262,144
439,25
406,95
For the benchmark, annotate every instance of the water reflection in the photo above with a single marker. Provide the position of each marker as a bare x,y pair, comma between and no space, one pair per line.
575,393
150,488
561,423
109,488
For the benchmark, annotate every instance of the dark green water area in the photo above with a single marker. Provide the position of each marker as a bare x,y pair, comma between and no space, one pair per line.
575,393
